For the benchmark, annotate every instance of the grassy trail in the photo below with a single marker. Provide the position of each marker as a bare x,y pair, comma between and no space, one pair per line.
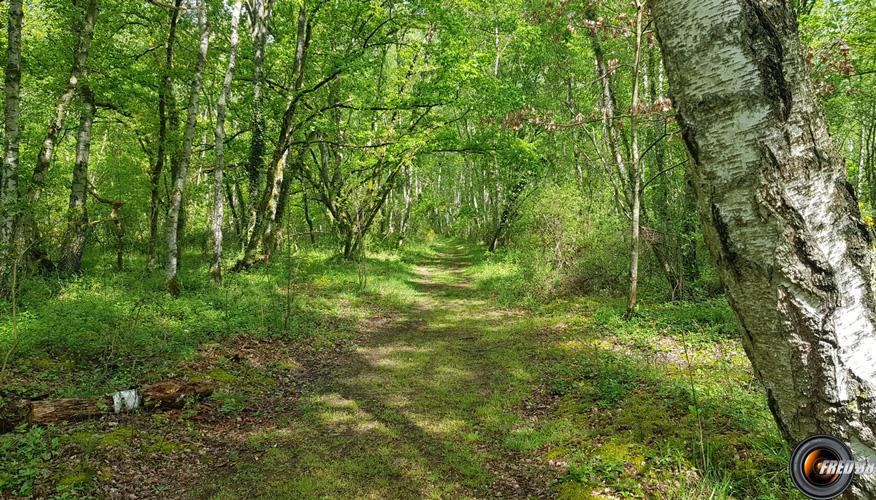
420,408
436,378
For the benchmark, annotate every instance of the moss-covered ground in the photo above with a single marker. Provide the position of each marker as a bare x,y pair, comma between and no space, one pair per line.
423,375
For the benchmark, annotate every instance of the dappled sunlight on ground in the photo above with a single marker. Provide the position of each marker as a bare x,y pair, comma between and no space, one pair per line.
440,426
340,412
439,391
397,356
431,384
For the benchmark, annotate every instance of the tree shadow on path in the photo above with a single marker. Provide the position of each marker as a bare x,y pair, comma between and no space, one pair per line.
421,408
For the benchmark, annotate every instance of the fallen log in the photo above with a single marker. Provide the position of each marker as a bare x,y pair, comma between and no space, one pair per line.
162,395
48,411
174,393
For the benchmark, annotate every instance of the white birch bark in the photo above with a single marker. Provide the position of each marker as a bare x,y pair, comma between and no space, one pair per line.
219,133
264,224
12,134
179,183
28,228
80,58
77,217
779,215
498,55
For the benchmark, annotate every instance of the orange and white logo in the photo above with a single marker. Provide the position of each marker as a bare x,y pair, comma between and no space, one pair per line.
822,467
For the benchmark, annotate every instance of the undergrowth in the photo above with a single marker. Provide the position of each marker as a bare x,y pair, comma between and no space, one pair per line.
664,405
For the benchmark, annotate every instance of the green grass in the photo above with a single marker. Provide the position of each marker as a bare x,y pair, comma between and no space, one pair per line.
23,455
630,403
91,335
440,377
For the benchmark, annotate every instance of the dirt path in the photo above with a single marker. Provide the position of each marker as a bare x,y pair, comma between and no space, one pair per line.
421,407
421,385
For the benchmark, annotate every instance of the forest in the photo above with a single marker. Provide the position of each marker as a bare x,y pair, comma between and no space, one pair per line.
592,249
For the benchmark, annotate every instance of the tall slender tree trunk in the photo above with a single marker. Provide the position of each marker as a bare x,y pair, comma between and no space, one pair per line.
261,11
47,149
179,182
635,171
279,211
264,217
498,54
230,199
11,134
870,167
174,146
861,162
77,217
630,178
242,216
165,98
80,59
778,214
609,105
218,182
406,207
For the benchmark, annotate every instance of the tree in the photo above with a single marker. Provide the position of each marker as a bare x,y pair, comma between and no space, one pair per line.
623,159
165,99
77,217
12,134
778,212
47,149
179,180
219,134
266,209
260,13
635,169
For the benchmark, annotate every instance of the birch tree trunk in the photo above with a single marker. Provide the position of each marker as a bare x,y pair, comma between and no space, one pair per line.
218,174
869,169
266,210
779,215
165,98
77,218
12,133
47,149
635,171
80,58
179,182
